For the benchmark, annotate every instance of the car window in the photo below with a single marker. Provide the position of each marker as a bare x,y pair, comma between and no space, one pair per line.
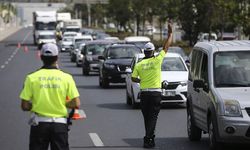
96,49
232,69
195,64
172,64
122,52
204,68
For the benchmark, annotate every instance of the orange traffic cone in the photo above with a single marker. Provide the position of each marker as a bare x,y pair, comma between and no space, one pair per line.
38,55
26,49
19,45
79,114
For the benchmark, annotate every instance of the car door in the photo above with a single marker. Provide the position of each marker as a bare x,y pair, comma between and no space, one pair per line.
194,93
128,78
203,94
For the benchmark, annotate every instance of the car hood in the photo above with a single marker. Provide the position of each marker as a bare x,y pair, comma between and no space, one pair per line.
119,61
240,94
174,76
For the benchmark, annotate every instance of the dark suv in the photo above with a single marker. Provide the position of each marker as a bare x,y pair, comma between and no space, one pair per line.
115,60
90,51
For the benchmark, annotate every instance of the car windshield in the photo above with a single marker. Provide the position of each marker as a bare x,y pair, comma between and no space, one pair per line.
173,64
82,40
177,50
45,26
138,44
95,49
232,69
123,52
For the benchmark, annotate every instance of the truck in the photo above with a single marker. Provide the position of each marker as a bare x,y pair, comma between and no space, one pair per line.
61,17
43,21
73,25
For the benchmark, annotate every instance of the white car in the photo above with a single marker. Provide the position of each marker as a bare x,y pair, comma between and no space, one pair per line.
77,41
174,80
66,44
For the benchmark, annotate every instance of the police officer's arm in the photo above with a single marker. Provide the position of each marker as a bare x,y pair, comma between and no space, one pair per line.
137,80
74,103
168,41
26,105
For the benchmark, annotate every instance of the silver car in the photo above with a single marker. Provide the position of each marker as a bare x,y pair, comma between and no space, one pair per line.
218,101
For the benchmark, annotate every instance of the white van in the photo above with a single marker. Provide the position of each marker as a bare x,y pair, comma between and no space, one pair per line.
218,99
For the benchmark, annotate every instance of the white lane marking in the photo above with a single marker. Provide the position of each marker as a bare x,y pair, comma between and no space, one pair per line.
96,140
15,51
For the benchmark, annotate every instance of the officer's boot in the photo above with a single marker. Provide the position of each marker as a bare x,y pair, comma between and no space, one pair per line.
148,142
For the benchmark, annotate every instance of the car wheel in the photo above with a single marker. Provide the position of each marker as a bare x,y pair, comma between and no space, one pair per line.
194,133
134,104
128,98
104,83
85,72
77,64
213,143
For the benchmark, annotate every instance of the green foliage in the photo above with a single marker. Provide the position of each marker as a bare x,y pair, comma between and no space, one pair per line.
7,11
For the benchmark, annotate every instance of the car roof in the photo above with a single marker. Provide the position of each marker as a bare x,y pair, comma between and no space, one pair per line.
70,32
100,42
124,45
216,46
137,39
83,37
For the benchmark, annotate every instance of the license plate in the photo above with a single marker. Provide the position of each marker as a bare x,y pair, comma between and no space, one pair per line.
169,93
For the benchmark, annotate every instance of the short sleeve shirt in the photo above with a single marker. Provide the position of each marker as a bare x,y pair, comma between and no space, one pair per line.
47,89
149,71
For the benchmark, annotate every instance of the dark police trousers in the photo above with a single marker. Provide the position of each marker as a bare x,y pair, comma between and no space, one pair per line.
49,133
150,106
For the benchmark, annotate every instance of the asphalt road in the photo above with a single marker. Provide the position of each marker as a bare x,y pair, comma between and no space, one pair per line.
110,123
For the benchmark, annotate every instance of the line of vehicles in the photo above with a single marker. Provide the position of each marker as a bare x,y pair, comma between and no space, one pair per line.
213,82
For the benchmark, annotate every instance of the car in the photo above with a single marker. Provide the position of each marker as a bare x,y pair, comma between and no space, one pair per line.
46,37
139,41
66,44
218,92
114,61
70,34
174,80
180,51
89,55
77,41
204,37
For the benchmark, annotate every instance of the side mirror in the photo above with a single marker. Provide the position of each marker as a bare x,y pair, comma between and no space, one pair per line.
198,84
128,70
101,57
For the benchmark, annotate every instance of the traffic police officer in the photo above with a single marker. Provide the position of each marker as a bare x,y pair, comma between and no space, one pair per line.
44,94
147,72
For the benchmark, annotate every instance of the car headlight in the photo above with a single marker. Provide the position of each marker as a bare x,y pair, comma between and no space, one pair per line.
232,108
109,66
183,83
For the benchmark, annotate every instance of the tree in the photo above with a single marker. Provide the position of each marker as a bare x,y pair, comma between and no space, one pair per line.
7,12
